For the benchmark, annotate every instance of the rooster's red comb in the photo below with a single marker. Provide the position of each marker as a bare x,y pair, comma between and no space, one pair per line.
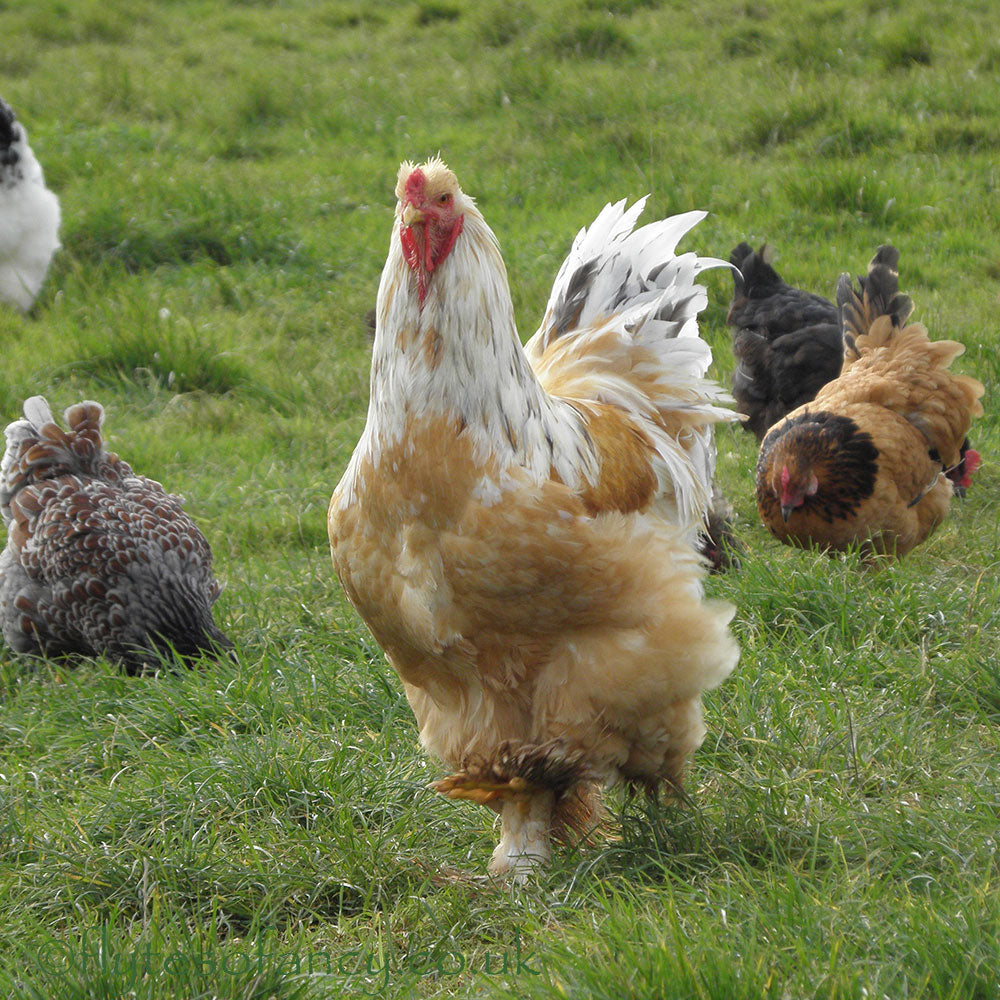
414,188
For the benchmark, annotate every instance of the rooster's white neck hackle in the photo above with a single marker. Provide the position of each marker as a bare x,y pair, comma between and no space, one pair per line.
477,372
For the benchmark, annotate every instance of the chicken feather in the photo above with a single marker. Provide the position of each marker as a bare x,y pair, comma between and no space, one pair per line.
516,525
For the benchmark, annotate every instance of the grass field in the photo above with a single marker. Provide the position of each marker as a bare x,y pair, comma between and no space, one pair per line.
261,829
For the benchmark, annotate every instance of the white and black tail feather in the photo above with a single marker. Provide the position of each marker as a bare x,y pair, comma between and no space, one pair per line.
620,278
614,268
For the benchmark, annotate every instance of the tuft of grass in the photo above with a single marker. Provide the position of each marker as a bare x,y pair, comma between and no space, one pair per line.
969,134
351,14
905,45
845,190
769,127
159,354
857,135
501,23
92,23
620,8
205,227
989,61
590,38
745,40
434,12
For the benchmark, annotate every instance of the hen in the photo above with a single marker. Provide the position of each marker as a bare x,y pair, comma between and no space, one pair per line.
787,342
517,525
865,462
98,560
29,216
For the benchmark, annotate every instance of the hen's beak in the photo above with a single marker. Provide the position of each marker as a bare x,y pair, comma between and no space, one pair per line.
411,214
786,511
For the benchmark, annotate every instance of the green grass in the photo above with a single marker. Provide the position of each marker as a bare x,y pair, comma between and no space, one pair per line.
261,828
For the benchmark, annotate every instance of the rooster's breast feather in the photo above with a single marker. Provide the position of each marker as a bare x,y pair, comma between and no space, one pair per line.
452,586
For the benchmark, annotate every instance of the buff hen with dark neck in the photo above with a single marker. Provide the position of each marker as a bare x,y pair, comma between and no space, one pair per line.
866,462
99,560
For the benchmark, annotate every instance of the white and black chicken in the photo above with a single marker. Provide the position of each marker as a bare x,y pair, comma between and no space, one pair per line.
99,560
29,216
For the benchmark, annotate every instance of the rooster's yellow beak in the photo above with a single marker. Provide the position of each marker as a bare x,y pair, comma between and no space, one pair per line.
411,214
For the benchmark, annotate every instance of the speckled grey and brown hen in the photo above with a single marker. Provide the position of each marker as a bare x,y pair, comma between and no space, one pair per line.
99,560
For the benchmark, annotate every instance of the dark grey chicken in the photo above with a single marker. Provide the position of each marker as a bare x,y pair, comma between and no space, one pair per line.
99,560
787,342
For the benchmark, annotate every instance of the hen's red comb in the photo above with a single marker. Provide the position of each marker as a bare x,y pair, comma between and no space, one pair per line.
970,462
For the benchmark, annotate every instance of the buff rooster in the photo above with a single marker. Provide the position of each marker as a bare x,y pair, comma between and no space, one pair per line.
517,526
99,560
867,461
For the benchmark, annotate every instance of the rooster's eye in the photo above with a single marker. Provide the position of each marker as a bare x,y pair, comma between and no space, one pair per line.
444,199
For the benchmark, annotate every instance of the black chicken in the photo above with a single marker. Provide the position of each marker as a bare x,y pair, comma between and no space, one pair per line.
787,342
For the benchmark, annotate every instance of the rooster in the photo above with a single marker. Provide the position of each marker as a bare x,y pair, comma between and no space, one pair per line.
787,342
517,526
866,462
99,560
29,216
